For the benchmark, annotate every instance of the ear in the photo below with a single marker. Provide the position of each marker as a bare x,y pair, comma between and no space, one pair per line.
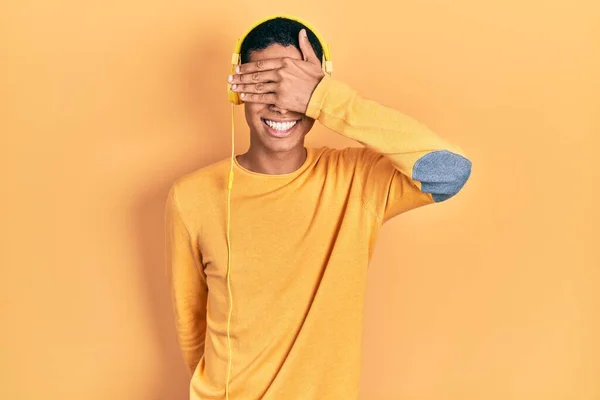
308,53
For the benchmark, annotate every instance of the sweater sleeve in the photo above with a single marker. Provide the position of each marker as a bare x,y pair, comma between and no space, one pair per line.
404,164
187,282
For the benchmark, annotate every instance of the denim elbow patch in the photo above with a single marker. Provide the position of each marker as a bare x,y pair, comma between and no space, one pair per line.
442,173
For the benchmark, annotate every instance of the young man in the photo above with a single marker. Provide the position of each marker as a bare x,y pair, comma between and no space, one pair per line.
304,223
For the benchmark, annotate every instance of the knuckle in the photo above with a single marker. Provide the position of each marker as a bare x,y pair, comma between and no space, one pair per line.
255,76
259,87
260,64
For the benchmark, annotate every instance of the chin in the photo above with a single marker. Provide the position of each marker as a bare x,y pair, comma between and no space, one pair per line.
282,145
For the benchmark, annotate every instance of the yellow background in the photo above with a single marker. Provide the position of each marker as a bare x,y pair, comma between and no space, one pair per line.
492,295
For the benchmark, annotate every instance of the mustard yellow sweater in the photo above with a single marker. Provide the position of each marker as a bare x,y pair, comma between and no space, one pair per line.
301,243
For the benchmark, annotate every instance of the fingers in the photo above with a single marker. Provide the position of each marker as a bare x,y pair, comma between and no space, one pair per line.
254,77
260,65
264,98
259,87
308,53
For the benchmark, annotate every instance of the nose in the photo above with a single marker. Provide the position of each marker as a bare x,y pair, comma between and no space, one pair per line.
276,109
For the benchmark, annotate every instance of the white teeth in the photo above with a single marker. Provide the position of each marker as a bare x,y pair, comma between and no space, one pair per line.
280,126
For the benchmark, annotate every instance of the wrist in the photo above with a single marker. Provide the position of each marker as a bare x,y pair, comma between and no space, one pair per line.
318,96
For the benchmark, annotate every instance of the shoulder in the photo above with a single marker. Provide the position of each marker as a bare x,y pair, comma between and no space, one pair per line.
347,158
339,155
201,185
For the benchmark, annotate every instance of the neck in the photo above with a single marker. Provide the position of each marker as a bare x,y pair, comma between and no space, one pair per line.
263,161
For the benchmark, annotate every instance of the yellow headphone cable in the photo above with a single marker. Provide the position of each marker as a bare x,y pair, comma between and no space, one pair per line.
234,99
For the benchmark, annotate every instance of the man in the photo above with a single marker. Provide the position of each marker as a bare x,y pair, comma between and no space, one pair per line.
303,227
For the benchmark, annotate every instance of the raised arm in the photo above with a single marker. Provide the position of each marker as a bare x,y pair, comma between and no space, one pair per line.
436,166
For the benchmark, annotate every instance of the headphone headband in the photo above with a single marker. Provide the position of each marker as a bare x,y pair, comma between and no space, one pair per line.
236,56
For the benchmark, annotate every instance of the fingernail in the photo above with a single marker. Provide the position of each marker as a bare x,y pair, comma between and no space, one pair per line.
237,69
242,95
230,78
234,87
304,32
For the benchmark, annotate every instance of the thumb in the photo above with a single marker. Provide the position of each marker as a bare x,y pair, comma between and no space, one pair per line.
308,53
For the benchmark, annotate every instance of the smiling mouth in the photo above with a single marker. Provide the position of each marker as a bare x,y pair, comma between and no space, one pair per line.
280,129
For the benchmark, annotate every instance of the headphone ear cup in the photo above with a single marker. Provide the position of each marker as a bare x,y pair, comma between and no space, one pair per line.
233,96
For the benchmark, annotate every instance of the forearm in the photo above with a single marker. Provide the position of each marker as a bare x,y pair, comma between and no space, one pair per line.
191,332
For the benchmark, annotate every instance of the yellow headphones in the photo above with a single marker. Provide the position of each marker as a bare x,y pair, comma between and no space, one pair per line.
235,99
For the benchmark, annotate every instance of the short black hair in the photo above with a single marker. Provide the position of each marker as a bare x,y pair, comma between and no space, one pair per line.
279,30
